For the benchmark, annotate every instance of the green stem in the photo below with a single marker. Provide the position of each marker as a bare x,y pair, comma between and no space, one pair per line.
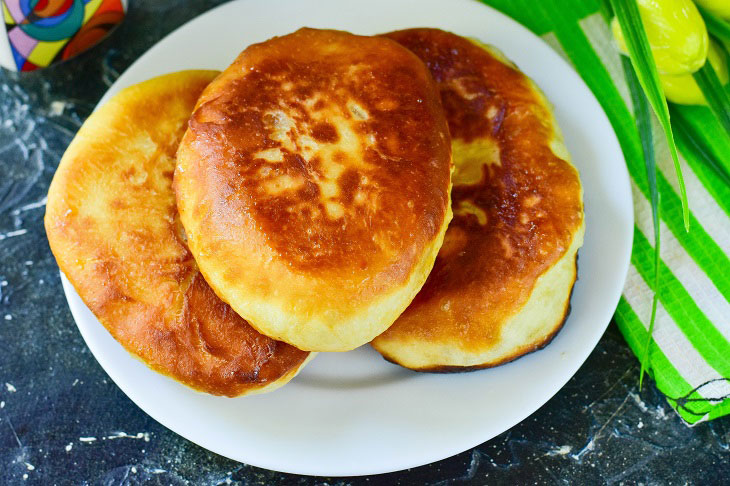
716,96
642,59
643,124
715,25
685,133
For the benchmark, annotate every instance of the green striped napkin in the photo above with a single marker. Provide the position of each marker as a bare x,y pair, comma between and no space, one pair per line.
689,358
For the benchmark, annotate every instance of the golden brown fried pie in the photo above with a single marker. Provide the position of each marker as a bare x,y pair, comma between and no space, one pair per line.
113,228
502,281
313,184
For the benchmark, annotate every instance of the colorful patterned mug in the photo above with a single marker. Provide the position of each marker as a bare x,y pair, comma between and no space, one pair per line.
39,33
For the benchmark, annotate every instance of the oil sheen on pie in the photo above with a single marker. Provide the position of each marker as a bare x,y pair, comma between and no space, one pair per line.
502,281
114,230
313,184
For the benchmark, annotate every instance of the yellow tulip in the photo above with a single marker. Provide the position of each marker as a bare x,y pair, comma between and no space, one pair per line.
683,89
721,8
676,32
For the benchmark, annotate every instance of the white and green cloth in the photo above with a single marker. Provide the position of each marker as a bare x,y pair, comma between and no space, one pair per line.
689,358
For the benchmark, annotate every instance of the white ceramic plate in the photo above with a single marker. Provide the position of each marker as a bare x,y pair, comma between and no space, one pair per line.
354,413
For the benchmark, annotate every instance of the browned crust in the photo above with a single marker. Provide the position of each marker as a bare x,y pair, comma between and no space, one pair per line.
313,183
389,194
112,225
517,202
524,351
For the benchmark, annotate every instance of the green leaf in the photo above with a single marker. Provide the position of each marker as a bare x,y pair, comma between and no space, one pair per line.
716,96
643,123
715,25
627,14
606,10
686,135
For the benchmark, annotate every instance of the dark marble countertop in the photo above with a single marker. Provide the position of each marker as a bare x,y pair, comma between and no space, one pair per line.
54,397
